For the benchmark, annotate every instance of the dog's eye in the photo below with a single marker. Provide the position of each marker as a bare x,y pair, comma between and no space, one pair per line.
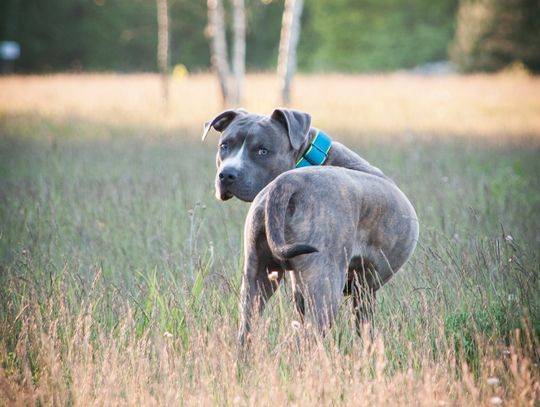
262,151
224,146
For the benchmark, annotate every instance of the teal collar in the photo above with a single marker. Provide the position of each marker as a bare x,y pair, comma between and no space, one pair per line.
317,153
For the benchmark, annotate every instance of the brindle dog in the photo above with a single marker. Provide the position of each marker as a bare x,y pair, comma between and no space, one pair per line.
342,227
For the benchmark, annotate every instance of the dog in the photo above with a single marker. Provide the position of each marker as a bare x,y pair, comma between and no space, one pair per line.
319,211
254,149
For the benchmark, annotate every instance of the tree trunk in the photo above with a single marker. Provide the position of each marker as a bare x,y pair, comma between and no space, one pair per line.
239,50
163,47
288,42
216,30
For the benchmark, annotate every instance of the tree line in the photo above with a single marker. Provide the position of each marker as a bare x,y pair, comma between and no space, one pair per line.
337,35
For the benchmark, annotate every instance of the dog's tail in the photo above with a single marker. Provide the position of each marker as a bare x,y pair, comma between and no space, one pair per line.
277,204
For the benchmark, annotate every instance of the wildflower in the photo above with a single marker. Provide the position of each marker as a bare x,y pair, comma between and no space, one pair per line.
496,401
273,276
509,238
167,335
180,71
493,381
237,401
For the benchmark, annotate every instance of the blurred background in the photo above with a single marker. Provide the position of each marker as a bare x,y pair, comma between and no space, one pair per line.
340,35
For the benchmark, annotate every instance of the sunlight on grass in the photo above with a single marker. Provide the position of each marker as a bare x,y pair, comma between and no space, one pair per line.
119,271
372,106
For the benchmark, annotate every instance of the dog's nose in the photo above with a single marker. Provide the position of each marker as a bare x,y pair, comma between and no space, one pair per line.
228,176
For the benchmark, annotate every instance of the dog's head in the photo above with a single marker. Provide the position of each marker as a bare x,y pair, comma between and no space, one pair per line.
254,149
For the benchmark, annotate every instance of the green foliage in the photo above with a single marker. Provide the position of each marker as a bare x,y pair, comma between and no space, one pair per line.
492,34
343,35
104,34
121,34
375,35
263,31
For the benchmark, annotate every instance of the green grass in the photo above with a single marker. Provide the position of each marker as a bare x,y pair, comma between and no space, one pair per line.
111,237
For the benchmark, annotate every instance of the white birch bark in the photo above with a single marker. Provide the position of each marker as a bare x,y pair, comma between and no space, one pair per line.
239,50
163,47
216,30
288,42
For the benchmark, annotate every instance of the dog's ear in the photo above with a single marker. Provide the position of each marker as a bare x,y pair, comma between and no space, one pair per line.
222,121
297,124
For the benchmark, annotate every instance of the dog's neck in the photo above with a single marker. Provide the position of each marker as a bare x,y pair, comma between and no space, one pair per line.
314,151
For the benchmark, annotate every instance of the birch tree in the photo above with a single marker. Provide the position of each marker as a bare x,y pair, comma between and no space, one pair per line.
163,47
288,42
239,50
216,31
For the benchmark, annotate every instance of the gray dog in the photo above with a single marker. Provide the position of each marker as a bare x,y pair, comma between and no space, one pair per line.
337,230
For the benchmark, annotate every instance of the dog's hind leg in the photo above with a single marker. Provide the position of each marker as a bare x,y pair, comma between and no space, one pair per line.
317,286
256,290
363,302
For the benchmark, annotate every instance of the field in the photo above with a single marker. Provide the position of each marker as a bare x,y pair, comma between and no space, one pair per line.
119,271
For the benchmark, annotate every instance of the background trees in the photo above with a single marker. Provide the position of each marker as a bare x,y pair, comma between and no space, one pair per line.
492,34
342,35
163,46
216,32
231,85
288,42
374,35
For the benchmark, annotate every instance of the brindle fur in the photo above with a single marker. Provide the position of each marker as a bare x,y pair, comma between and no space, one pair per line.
362,227
335,230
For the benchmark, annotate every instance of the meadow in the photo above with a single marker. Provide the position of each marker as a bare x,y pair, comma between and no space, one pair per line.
120,271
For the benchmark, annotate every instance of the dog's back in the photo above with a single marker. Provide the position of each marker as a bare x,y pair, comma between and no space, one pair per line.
339,212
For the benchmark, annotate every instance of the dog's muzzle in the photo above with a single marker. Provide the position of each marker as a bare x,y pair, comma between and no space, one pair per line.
232,182
225,183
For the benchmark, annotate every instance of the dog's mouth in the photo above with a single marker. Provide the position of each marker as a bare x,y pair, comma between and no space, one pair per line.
224,196
225,193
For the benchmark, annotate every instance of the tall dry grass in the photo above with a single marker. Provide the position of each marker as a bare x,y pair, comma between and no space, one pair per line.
119,271
66,359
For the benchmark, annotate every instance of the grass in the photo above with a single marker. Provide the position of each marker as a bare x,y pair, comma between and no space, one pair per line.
119,271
